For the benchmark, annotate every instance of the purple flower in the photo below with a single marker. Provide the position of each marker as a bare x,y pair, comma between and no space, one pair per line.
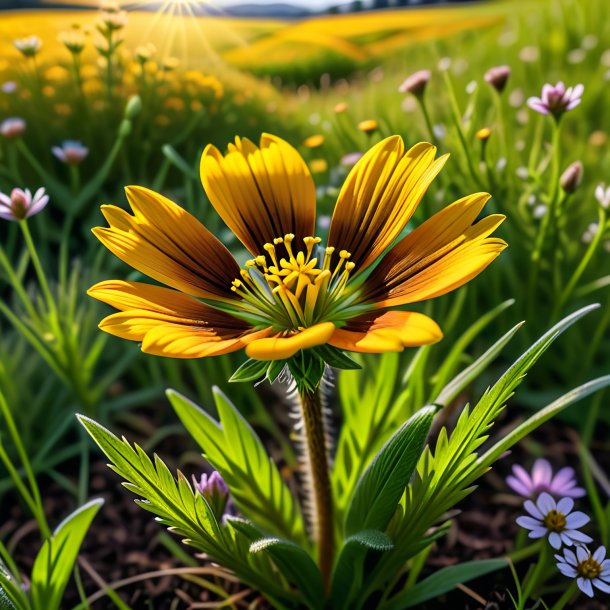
556,100
10,86
589,569
214,489
12,127
71,152
562,484
416,83
498,77
555,519
351,158
21,205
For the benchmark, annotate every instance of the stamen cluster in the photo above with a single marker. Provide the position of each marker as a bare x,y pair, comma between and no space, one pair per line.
295,289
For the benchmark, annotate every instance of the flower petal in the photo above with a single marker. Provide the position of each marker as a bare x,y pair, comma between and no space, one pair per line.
281,348
169,323
165,242
388,332
565,505
379,197
585,586
576,519
441,255
260,192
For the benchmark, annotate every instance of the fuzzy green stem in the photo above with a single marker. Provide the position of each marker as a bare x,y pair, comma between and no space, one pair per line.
319,479
424,110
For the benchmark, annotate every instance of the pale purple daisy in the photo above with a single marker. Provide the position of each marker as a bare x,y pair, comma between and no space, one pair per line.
71,152
555,519
589,569
21,205
556,99
12,127
561,485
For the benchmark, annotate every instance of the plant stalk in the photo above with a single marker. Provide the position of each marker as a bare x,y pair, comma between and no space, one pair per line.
319,479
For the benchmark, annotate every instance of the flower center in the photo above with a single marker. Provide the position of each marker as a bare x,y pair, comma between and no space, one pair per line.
589,568
294,289
555,521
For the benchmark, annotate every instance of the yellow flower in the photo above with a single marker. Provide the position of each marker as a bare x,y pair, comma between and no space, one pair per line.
340,108
318,166
483,134
368,126
293,294
314,141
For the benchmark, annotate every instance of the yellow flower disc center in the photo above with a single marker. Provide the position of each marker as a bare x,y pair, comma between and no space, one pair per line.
589,568
293,289
555,521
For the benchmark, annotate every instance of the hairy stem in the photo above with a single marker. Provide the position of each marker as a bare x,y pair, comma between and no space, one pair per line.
319,480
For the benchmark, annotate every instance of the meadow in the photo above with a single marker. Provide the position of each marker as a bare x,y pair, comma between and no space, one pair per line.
409,411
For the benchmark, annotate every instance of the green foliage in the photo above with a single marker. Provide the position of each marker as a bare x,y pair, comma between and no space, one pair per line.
186,513
444,581
54,562
257,487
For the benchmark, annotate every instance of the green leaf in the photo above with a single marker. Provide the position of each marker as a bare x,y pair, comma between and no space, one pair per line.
292,561
55,560
461,381
348,571
533,422
250,370
5,602
382,485
443,581
337,358
452,360
184,511
236,452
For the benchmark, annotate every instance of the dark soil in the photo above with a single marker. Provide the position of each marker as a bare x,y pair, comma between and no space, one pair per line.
126,542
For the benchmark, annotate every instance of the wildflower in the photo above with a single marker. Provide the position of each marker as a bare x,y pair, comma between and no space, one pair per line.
555,519
112,19
10,86
70,152
590,232
572,177
21,205
556,100
293,294
498,77
73,40
483,134
314,141
416,83
602,194
214,489
145,52
318,166
340,108
368,126
444,64
598,138
29,46
589,569
12,127
542,479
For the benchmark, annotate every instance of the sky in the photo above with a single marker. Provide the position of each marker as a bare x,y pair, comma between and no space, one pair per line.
313,4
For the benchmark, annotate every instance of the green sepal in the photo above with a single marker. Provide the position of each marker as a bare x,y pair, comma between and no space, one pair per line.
275,369
250,370
337,358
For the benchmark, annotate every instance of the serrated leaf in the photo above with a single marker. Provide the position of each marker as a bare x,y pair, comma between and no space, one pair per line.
235,451
379,490
443,581
348,570
292,561
53,564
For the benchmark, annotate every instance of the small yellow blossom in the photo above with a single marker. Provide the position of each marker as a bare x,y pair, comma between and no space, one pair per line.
318,166
368,126
314,141
483,134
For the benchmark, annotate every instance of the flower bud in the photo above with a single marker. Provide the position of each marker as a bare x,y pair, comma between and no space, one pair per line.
368,126
483,134
214,489
602,194
416,83
12,127
572,177
133,107
497,77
